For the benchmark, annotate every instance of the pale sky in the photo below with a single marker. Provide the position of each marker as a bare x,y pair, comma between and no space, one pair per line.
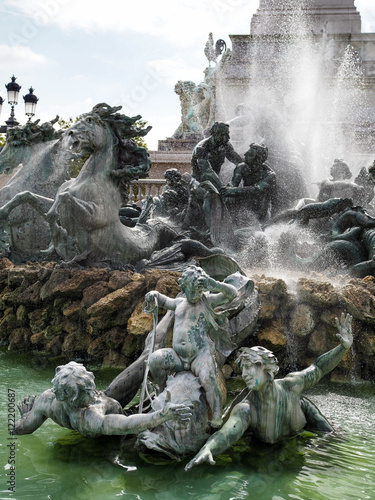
77,53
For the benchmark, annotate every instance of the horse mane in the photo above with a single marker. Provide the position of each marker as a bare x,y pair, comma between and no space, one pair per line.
32,133
133,161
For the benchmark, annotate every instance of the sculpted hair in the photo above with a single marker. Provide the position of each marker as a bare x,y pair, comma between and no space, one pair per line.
190,276
73,383
341,165
218,126
262,151
261,355
172,173
133,161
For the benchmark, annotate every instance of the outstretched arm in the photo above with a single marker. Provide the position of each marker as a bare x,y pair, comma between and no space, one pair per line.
156,298
32,415
231,432
266,184
232,155
233,189
222,292
328,361
133,424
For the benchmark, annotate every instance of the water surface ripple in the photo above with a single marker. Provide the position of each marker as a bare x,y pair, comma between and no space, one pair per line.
57,464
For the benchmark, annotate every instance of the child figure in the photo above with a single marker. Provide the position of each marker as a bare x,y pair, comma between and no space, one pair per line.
193,349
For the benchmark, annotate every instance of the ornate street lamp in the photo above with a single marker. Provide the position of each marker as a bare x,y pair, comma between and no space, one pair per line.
30,103
3,128
13,90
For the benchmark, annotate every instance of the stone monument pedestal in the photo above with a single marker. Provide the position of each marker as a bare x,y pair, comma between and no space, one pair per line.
341,16
176,145
173,153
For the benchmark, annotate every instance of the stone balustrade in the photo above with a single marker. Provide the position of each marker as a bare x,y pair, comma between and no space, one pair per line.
142,188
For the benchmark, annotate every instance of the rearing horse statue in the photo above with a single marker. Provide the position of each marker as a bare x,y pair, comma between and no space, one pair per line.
33,159
83,217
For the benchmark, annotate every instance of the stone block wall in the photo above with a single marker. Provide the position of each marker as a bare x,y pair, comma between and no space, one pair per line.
95,315
85,314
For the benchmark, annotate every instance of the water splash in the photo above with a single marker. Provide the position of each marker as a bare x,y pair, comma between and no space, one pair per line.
304,99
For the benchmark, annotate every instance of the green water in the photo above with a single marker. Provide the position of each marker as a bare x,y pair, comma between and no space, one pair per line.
57,464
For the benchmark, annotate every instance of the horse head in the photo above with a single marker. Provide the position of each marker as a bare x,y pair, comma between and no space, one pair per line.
89,135
104,129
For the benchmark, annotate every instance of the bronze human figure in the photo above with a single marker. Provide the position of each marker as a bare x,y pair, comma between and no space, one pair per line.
259,183
192,348
74,403
275,409
210,154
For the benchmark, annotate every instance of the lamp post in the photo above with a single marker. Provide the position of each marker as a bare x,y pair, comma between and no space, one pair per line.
30,103
13,90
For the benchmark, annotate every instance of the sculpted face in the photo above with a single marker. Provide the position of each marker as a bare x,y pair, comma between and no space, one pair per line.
193,293
222,136
192,283
74,385
250,155
254,374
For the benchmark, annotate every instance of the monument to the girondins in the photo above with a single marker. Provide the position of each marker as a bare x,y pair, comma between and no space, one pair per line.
305,67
